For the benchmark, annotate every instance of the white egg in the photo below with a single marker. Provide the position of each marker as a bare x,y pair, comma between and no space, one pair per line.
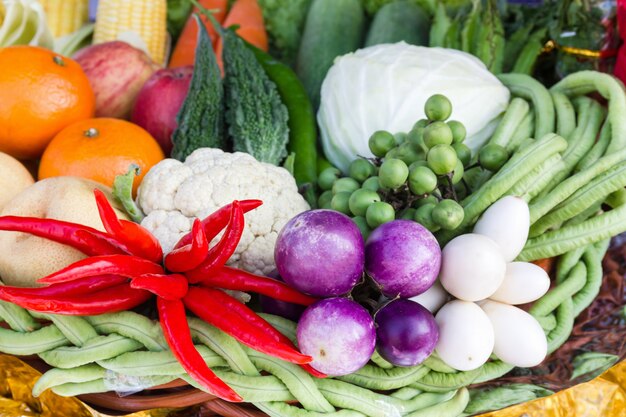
472,267
519,339
466,336
523,282
506,222
433,298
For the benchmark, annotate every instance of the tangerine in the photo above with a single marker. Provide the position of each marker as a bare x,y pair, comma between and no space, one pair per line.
100,149
41,92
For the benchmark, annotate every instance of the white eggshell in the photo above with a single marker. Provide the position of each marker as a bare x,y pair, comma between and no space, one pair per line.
472,267
433,298
519,339
507,222
466,337
523,282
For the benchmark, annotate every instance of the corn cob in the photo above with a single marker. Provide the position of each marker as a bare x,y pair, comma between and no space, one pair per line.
141,23
2,12
65,16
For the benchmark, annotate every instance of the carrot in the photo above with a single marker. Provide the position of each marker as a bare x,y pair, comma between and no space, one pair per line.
185,51
248,16
546,264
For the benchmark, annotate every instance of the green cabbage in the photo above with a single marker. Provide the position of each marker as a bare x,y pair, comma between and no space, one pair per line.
384,87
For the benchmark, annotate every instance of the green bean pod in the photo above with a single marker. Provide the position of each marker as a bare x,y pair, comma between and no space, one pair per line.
224,345
585,296
524,131
527,87
55,377
522,187
96,349
452,408
570,185
579,144
585,82
492,370
442,382
31,343
565,114
525,63
17,318
76,329
565,323
598,149
142,363
547,323
567,238
281,409
374,377
301,385
596,190
131,325
515,113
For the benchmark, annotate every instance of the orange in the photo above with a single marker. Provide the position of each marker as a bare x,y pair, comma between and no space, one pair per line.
100,149
40,93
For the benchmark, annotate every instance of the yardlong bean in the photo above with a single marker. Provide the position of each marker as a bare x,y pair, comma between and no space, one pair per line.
31,343
579,144
557,242
565,114
442,382
524,131
17,318
598,149
56,376
513,117
527,87
96,349
585,82
597,189
373,377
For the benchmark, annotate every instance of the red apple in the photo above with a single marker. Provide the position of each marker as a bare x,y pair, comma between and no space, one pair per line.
116,72
159,101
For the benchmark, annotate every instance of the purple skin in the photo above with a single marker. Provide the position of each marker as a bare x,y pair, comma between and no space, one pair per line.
406,332
339,334
280,308
403,258
321,253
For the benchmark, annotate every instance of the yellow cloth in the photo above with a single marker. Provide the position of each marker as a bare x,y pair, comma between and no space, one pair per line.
604,396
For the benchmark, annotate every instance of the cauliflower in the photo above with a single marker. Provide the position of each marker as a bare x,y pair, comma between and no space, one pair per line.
173,194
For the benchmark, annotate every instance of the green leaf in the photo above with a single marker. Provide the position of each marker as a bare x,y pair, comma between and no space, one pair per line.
290,163
592,364
488,399
123,192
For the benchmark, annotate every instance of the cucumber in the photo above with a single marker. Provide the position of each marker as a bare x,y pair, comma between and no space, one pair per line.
399,21
332,28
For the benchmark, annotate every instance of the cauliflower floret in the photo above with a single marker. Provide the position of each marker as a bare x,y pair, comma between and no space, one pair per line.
173,193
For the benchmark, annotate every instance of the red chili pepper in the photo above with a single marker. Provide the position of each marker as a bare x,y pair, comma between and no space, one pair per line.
178,336
86,239
236,319
236,279
109,300
138,239
224,249
218,220
68,289
191,255
124,265
170,287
